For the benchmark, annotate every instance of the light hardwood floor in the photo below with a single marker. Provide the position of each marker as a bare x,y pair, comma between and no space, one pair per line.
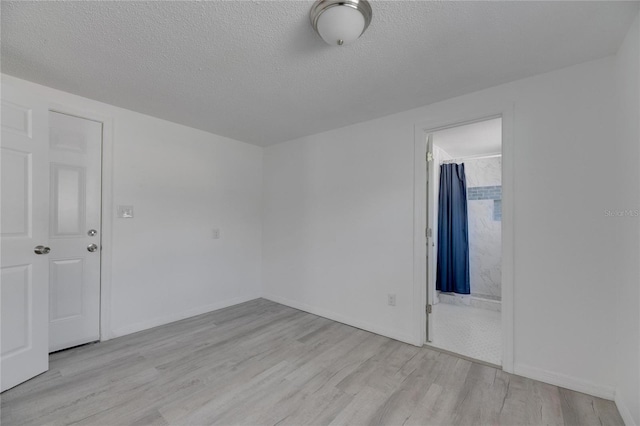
261,363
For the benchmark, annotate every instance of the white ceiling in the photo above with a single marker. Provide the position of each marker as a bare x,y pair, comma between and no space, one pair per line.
255,70
484,137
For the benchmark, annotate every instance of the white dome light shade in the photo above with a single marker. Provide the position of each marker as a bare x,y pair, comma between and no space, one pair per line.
340,22
340,25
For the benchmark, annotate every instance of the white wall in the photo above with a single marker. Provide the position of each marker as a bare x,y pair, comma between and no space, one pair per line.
625,230
338,225
338,222
182,183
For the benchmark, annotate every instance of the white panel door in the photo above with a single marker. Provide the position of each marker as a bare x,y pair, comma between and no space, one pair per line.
74,230
24,224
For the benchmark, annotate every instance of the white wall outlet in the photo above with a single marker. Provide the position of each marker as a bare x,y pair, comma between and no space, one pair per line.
391,299
125,212
215,234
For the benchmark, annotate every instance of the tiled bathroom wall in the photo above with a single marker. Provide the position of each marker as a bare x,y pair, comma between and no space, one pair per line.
484,201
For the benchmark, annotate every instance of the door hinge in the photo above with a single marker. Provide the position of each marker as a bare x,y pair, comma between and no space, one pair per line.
429,156
429,309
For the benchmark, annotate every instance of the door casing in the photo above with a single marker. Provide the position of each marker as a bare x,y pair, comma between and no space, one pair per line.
429,240
421,131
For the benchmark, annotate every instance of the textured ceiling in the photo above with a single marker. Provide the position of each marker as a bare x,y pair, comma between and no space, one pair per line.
255,70
483,137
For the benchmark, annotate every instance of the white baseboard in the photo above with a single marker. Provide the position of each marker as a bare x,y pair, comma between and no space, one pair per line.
625,413
393,334
564,381
145,325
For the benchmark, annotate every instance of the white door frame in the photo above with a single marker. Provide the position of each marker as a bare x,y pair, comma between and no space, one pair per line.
430,278
106,211
455,119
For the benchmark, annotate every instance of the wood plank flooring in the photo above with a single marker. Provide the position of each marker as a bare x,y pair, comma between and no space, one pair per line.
261,363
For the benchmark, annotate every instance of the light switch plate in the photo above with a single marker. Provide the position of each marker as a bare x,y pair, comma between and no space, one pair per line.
216,234
125,212
391,299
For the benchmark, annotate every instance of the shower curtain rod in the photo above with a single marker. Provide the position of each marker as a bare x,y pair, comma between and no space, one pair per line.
470,157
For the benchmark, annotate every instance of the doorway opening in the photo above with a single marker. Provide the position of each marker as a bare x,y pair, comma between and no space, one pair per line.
464,240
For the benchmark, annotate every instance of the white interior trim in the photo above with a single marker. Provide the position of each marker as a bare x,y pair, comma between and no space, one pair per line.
363,325
107,209
625,413
421,131
564,381
145,325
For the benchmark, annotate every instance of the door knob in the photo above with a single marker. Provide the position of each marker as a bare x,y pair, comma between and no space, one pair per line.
92,247
41,250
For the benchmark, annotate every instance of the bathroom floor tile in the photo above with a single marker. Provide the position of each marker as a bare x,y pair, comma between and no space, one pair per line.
473,332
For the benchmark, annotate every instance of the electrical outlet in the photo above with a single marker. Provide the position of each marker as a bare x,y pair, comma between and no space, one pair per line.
391,299
215,234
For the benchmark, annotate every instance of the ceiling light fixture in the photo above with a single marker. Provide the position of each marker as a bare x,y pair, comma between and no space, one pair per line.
340,22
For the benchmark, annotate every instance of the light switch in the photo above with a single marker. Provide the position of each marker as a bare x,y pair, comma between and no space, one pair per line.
391,299
215,234
125,212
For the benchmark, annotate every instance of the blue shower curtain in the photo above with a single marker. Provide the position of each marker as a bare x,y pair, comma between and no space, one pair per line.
453,233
